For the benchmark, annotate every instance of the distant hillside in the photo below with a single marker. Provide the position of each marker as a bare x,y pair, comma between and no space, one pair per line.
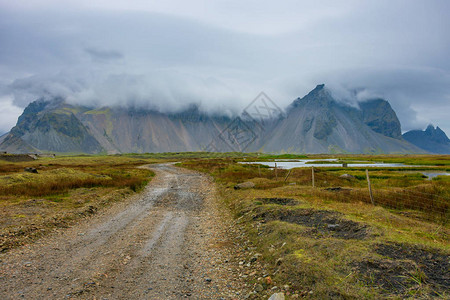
316,123
432,139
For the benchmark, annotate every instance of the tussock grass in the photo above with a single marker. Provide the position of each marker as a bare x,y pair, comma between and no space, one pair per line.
53,183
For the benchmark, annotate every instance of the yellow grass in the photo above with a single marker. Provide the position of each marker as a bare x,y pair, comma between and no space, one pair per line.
64,190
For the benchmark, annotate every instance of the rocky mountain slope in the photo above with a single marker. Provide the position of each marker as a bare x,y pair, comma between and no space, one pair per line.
44,126
316,123
380,117
59,127
3,137
431,139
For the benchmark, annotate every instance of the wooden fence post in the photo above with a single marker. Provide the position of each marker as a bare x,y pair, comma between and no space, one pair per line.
259,171
289,173
276,175
370,187
312,172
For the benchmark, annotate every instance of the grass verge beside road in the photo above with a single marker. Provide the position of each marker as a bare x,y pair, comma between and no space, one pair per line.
334,244
64,190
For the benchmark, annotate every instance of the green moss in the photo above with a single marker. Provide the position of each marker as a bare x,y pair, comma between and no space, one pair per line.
106,111
67,124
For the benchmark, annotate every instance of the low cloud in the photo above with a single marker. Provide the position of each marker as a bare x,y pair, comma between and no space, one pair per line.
165,91
8,114
165,57
104,55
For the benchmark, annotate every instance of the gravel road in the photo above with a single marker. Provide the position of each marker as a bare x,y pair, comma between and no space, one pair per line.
168,242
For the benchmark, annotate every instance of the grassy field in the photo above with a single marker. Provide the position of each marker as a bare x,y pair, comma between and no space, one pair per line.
326,243
320,242
69,188
64,190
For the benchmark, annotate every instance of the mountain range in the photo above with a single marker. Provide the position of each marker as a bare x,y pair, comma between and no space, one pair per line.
316,123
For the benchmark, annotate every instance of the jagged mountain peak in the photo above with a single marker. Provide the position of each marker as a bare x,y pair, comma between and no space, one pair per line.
431,139
319,93
318,97
436,134
320,88
376,113
440,131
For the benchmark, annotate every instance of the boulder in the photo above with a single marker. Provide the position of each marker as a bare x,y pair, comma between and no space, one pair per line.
244,185
347,176
277,296
30,170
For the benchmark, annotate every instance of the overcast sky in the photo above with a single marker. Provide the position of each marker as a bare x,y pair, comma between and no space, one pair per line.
221,54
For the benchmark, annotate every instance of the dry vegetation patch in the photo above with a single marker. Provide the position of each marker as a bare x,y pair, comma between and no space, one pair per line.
406,269
64,190
323,222
279,201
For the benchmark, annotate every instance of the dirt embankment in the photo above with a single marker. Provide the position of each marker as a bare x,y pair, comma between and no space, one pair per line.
169,242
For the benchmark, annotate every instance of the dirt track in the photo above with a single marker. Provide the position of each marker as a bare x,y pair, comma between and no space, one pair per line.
169,242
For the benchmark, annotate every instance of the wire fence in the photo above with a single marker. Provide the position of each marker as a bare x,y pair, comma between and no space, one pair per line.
425,201
434,206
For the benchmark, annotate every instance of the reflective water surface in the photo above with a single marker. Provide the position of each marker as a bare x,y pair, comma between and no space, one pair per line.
289,164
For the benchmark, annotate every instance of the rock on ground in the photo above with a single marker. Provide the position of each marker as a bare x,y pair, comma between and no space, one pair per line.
277,296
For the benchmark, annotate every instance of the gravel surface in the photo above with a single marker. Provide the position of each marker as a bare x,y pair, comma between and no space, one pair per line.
169,242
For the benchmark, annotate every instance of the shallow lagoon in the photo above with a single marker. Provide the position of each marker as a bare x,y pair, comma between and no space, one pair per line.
307,163
431,175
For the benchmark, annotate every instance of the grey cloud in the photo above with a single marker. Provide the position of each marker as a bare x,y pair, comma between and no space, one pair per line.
104,55
407,89
31,88
162,90
167,58
8,114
